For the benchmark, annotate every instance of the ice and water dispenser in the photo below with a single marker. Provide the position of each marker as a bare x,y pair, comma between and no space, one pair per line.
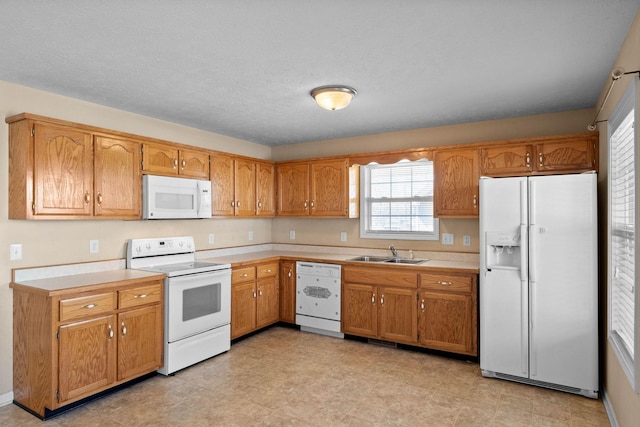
503,250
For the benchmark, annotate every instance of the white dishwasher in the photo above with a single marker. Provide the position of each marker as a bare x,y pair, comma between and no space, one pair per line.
318,298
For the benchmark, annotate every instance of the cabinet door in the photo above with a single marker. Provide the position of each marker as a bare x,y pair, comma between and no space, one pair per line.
193,164
139,341
456,183
223,200
507,160
293,190
329,188
243,308
359,310
118,178
245,187
265,189
571,155
398,317
268,307
63,171
87,357
445,320
288,291
161,159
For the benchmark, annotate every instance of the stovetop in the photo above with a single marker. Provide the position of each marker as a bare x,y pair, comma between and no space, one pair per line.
173,256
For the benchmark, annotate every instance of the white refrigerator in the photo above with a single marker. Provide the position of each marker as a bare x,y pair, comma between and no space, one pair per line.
538,281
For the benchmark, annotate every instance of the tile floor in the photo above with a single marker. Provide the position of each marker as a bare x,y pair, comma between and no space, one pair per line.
282,377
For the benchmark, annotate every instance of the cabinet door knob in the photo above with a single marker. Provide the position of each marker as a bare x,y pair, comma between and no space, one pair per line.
110,332
260,292
289,273
528,159
475,201
175,163
373,298
99,198
233,203
254,294
124,329
238,203
259,204
422,305
541,159
382,299
87,198
313,204
306,204
244,275
184,164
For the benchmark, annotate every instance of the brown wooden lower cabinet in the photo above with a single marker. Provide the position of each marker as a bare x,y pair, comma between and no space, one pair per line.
288,291
254,298
447,315
437,311
70,344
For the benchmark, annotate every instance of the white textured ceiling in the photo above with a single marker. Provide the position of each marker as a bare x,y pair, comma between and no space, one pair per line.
245,68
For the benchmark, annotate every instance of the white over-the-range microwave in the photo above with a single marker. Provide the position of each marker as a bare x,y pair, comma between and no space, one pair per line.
165,197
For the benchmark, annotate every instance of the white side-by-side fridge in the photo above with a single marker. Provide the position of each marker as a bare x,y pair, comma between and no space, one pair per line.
538,281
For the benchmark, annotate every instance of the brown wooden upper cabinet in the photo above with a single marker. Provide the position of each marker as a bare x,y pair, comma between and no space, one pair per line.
59,171
165,159
457,174
315,188
537,156
241,186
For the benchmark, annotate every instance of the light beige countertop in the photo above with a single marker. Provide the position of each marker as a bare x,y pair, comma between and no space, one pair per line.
78,282
467,263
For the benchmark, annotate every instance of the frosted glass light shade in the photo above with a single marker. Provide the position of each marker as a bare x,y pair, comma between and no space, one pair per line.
333,97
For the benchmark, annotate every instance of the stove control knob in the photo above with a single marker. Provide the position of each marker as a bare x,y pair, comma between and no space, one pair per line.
170,243
180,243
138,248
189,245
148,246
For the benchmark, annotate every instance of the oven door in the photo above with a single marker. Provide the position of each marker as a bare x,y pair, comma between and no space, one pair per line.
198,303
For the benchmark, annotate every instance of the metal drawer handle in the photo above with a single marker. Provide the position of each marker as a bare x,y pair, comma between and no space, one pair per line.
244,275
140,296
443,283
268,270
89,306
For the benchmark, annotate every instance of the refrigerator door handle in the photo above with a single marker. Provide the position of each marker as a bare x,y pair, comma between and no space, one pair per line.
532,233
524,235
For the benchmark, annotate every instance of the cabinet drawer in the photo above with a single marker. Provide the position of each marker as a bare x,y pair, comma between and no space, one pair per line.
243,274
92,305
380,276
139,296
267,270
446,282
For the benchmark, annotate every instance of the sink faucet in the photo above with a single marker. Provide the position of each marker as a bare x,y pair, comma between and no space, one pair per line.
393,251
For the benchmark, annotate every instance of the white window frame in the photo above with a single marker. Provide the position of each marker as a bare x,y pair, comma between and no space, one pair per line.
628,357
365,211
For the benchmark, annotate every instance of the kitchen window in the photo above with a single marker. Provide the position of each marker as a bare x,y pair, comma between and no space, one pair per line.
396,201
623,247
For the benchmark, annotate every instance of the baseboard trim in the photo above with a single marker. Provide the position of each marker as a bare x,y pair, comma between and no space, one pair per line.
609,408
6,399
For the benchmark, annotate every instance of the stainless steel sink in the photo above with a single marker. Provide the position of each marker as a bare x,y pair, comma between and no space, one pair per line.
405,261
367,258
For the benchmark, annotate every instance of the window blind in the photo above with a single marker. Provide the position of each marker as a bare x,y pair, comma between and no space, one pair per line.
397,200
623,308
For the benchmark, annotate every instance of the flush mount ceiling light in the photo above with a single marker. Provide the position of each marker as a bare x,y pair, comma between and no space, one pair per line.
333,97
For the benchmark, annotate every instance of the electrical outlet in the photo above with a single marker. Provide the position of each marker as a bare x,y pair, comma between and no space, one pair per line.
94,246
292,235
466,240
343,236
447,239
212,238
250,235
15,252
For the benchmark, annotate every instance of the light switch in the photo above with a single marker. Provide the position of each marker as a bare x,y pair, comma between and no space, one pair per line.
250,235
466,240
292,235
343,236
212,238
15,252
94,246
